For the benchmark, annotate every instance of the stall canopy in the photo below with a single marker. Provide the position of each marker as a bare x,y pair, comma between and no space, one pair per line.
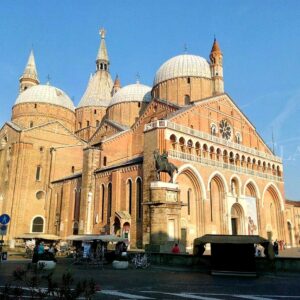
42,236
232,254
97,237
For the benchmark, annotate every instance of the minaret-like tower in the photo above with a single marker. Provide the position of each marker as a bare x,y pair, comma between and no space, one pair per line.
216,64
30,76
97,96
117,85
102,61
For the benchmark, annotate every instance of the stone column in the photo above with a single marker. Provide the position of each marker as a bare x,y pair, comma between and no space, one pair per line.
165,216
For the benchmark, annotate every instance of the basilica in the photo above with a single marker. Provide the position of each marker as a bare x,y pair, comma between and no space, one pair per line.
91,169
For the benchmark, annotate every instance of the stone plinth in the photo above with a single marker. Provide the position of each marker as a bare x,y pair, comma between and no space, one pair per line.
165,214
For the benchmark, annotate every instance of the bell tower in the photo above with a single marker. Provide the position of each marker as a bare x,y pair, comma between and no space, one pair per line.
102,61
30,76
216,64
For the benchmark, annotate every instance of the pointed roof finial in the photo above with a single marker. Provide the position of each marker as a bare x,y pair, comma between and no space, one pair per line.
102,56
138,77
102,33
48,79
185,48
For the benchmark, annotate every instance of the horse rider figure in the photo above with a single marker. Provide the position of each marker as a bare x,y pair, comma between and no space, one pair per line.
162,164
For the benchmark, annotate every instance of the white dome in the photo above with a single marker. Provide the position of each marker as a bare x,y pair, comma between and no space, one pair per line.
183,66
132,93
45,94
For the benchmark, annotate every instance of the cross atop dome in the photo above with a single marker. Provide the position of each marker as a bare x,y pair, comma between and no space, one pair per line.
102,33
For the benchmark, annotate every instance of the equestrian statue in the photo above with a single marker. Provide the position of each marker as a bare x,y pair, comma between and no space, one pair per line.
163,165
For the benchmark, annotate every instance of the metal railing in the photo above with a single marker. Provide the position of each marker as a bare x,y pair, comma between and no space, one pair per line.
221,164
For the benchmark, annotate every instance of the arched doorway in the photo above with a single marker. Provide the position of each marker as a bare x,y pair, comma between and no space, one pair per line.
237,218
126,230
217,211
272,212
251,204
192,220
117,227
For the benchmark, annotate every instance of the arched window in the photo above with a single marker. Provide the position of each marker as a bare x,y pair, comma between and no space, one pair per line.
77,204
102,202
139,197
109,202
238,138
187,99
189,201
129,195
38,173
213,129
37,224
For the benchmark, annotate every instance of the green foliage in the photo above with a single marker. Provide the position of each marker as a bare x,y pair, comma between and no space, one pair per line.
31,279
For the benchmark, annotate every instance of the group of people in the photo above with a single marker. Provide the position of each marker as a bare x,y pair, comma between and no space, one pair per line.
41,250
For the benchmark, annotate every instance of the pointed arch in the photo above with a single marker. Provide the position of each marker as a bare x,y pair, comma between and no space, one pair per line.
254,184
235,176
277,193
221,176
196,174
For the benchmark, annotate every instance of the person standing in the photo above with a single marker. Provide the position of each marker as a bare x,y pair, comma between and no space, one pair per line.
175,249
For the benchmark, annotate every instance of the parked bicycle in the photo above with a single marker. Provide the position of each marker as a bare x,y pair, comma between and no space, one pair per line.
141,260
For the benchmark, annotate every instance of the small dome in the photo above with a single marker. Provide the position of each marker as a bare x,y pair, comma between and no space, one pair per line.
183,66
132,93
45,94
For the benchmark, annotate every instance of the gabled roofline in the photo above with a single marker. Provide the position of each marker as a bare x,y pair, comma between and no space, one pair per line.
12,125
58,122
134,161
67,177
207,100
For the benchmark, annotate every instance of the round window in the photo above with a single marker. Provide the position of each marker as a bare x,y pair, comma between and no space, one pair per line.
40,195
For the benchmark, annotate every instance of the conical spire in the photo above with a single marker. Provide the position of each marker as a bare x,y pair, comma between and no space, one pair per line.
30,69
102,60
215,47
117,85
30,75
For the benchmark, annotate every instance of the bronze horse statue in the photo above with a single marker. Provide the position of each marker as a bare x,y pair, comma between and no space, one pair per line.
163,165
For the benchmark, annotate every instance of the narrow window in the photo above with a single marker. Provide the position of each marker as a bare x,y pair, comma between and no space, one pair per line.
87,123
109,202
187,99
80,125
129,186
102,202
38,173
95,111
189,201
139,104
139,198
73,169
97,123
31,124
104,161
188,80
35,105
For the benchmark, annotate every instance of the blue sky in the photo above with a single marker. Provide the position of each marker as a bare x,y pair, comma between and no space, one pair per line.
260,41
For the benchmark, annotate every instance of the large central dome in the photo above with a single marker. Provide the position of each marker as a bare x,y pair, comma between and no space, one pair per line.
183,66
45,94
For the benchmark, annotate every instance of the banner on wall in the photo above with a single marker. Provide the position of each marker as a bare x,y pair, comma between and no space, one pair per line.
251,215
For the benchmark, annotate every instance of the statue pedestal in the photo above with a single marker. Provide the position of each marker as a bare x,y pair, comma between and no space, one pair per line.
165,215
